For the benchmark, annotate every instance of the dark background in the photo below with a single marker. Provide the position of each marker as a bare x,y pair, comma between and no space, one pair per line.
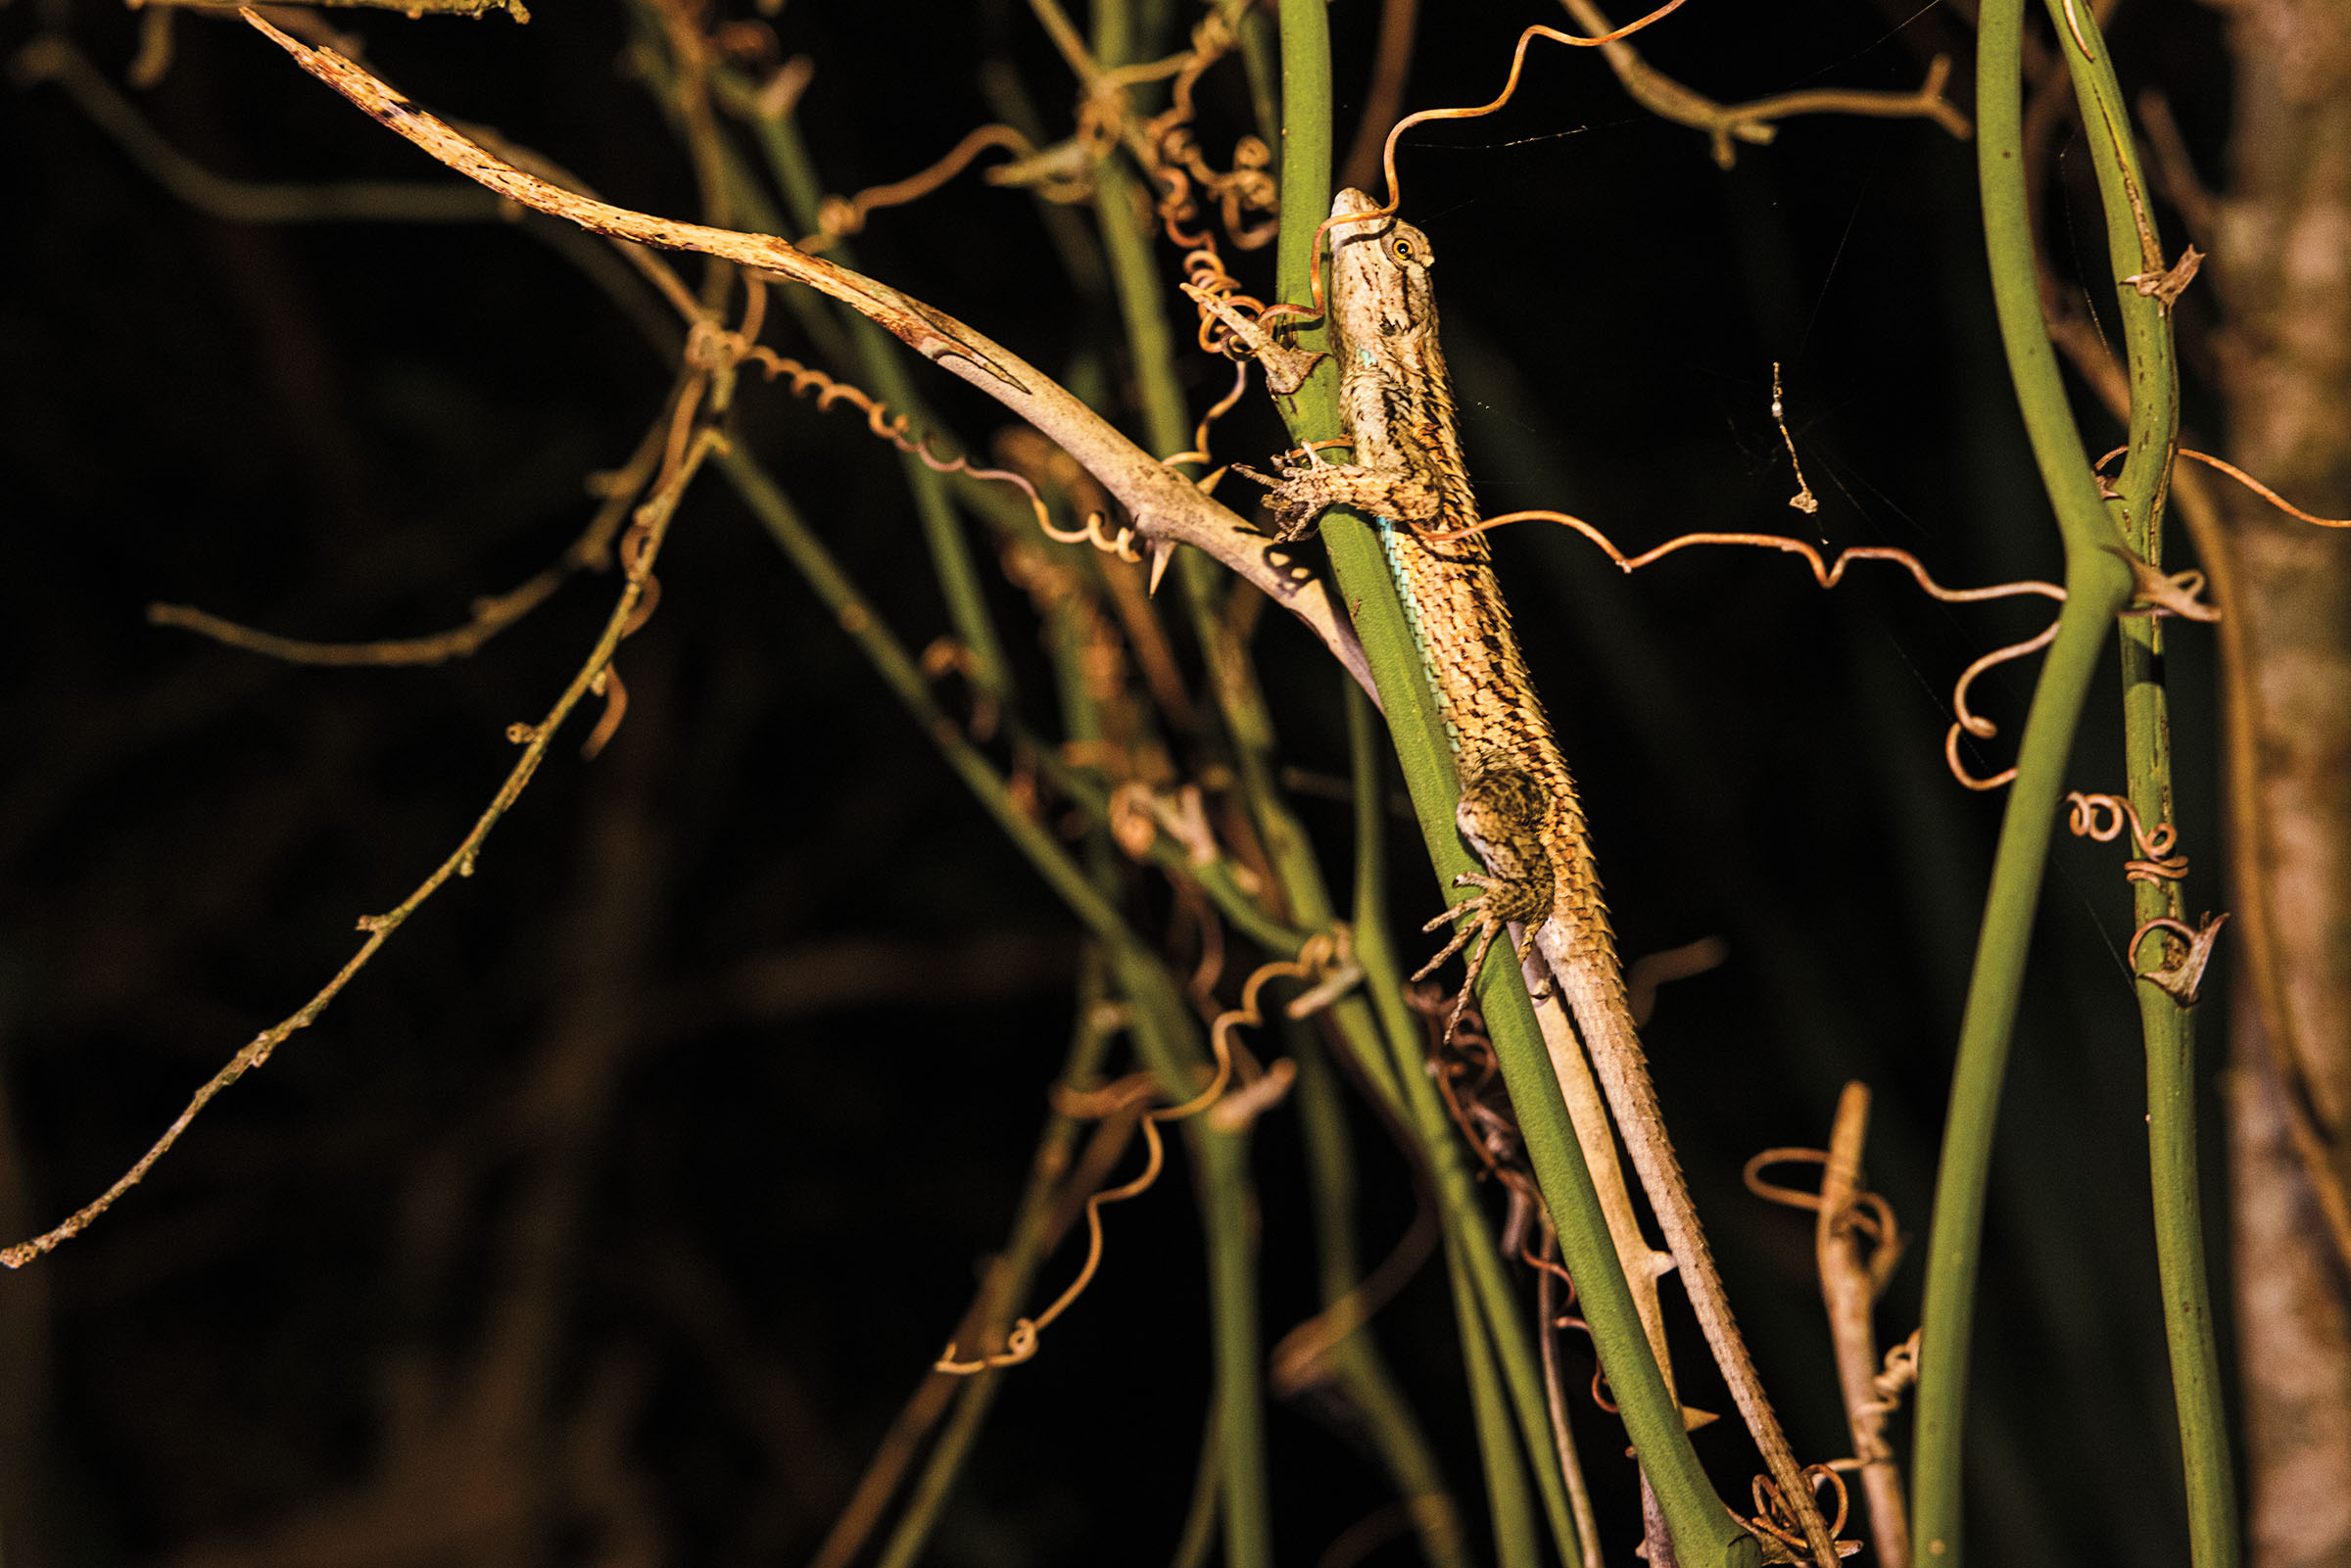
788,999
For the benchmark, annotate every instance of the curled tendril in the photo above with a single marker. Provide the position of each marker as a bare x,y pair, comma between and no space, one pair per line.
2180,971
1246,196
1868,1212
1327,962
1119,542
2100,818
2246,480
1242,193
1901,1371
840,215
805,380
1775,1520
1828,574
1387,156
1217,410
1977,724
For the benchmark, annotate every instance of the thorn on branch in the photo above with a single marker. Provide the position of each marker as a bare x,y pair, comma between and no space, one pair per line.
2166,287
2180,975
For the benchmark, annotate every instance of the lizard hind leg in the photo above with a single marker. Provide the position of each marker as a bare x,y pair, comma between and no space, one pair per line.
1502,813
1485,929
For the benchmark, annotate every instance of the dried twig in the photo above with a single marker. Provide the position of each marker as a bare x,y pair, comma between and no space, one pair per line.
1165,506
410,8
1753,122
491,614
650,529
51,58
1852,1273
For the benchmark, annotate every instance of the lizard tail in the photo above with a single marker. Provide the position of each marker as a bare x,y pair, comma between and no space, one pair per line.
1595,994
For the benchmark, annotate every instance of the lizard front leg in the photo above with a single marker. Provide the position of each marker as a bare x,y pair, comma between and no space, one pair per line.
1306,490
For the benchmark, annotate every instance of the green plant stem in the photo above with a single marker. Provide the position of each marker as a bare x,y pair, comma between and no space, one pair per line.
1472,1254
1162,1027
882,363
1198,1537
1703,1527
1412,1464
898,671
1164,1033
1511,1510
2097,586
1247,1506
1032,1228
1230,1219
1127,241
2168,1029
1229,1216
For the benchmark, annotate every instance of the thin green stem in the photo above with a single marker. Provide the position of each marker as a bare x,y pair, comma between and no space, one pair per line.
2097,586
1230,1218
1216,878
1472,1250
1198,1537
1411,1463
1704,1530
882,365
1033,1228
1513,1511
2188,1319
2134,248
1247,1505
1122,213
905,679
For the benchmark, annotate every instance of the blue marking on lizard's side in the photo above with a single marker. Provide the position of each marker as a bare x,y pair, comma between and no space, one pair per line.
1389,545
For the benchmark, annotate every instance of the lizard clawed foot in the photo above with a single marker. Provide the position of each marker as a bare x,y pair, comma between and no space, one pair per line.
1294,498
1484,930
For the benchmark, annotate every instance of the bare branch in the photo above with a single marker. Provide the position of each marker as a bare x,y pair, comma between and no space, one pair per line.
1167,507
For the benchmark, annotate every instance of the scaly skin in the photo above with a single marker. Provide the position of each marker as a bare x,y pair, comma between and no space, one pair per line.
1518,807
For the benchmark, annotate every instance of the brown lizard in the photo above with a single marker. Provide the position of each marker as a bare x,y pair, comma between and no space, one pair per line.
1518,807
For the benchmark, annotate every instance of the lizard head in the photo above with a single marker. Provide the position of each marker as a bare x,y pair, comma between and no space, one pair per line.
1379,273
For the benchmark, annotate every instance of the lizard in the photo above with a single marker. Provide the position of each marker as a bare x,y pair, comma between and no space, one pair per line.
1518,807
